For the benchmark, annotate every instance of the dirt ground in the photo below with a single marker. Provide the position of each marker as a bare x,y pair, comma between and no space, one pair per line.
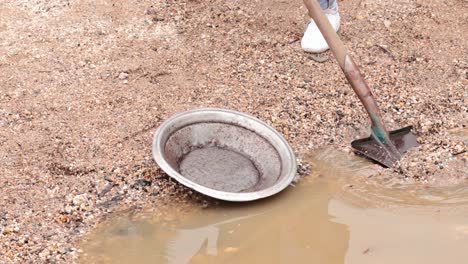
84,84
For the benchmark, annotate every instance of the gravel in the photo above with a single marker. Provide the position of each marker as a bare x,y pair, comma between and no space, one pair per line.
85,84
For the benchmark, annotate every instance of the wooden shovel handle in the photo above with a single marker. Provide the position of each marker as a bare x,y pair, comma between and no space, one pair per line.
350,69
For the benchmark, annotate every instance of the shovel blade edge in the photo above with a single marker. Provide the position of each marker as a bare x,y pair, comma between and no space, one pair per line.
403,139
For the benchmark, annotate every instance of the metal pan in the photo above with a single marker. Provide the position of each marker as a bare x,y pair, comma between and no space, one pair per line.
224,154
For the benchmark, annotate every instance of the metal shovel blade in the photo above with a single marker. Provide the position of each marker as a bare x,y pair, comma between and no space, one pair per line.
403,139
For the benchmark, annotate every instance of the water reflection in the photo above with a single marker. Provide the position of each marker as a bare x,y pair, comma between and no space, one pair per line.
292,227
203,240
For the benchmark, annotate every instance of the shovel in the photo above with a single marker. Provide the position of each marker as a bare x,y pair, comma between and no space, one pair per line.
382,146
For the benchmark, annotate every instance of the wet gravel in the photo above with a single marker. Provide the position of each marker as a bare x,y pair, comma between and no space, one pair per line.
84,86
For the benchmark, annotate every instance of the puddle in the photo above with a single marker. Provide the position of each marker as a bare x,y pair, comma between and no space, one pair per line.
337,215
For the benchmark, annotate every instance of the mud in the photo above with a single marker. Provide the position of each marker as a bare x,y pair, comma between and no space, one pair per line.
220,169
84,85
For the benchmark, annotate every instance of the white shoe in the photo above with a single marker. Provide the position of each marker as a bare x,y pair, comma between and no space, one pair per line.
313,41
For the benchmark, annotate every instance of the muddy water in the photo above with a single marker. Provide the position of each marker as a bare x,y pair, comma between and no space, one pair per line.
339,214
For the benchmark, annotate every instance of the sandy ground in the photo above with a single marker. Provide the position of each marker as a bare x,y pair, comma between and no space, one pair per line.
84,84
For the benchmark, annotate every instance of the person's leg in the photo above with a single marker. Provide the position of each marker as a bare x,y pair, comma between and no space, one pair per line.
313,41
323,4
329,4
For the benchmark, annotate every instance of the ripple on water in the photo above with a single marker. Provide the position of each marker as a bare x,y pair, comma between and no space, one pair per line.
357,180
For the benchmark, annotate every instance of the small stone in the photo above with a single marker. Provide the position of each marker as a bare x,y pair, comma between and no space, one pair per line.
387,23
44,254
78,200
143,182
151,11
68,209
123,75
360,17
64,218
6,231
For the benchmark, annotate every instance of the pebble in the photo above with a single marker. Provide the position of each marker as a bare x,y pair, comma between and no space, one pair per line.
387,23
123,75
215,55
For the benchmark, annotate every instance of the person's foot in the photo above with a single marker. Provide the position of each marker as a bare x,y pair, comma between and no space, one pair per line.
313,41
